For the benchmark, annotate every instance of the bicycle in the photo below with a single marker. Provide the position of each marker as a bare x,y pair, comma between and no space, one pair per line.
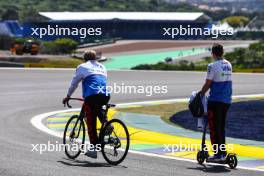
111,140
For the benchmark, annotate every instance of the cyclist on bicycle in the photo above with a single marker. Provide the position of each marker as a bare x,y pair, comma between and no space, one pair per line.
94,78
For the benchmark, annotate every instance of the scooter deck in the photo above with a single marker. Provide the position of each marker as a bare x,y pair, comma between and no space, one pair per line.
218,162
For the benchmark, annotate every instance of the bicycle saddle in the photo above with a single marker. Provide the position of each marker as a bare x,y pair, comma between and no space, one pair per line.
110,105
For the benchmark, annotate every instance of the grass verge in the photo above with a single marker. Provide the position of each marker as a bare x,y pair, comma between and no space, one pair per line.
58,63
165,111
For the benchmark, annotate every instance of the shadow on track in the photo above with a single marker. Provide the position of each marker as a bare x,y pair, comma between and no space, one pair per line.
211,169
79,163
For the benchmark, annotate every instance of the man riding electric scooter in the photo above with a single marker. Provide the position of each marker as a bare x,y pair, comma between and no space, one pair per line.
219,81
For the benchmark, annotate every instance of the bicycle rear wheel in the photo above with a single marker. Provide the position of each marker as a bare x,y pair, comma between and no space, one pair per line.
74,137
114,139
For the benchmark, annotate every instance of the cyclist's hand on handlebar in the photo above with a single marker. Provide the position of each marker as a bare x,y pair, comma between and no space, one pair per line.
65,100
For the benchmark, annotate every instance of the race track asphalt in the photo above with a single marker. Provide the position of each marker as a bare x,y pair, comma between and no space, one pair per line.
26,93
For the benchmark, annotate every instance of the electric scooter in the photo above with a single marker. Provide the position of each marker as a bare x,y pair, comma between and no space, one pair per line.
203,155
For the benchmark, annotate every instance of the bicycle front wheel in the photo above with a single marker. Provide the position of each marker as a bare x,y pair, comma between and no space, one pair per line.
74,137
114,141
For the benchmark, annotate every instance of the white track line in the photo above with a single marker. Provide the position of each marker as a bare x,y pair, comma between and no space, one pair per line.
36,121
158,71
26,68
179,100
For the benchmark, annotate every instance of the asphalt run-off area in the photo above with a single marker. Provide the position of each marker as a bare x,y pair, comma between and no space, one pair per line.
37,91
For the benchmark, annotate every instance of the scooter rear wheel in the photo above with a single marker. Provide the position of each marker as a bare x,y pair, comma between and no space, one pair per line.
232,161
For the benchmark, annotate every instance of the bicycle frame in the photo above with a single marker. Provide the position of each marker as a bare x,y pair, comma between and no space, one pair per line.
103,119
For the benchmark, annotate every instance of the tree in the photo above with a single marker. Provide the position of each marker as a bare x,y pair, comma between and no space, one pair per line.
207,59
60,46
29,14
257,46
102,3
236,21
10,12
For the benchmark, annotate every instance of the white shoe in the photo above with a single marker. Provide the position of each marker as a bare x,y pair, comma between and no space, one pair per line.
91,154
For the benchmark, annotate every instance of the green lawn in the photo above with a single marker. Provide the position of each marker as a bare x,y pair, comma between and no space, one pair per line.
131,60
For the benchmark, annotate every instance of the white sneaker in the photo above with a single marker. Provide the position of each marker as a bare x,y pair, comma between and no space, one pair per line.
91,154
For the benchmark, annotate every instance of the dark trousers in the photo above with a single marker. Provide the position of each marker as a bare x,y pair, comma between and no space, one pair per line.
217,112
93,109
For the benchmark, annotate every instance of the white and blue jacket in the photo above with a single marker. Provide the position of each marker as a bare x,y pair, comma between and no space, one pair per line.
93,76
220,72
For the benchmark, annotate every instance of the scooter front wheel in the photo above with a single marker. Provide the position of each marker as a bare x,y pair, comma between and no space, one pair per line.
201,156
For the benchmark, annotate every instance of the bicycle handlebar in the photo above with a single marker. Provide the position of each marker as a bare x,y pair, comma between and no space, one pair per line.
68,104
80,99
